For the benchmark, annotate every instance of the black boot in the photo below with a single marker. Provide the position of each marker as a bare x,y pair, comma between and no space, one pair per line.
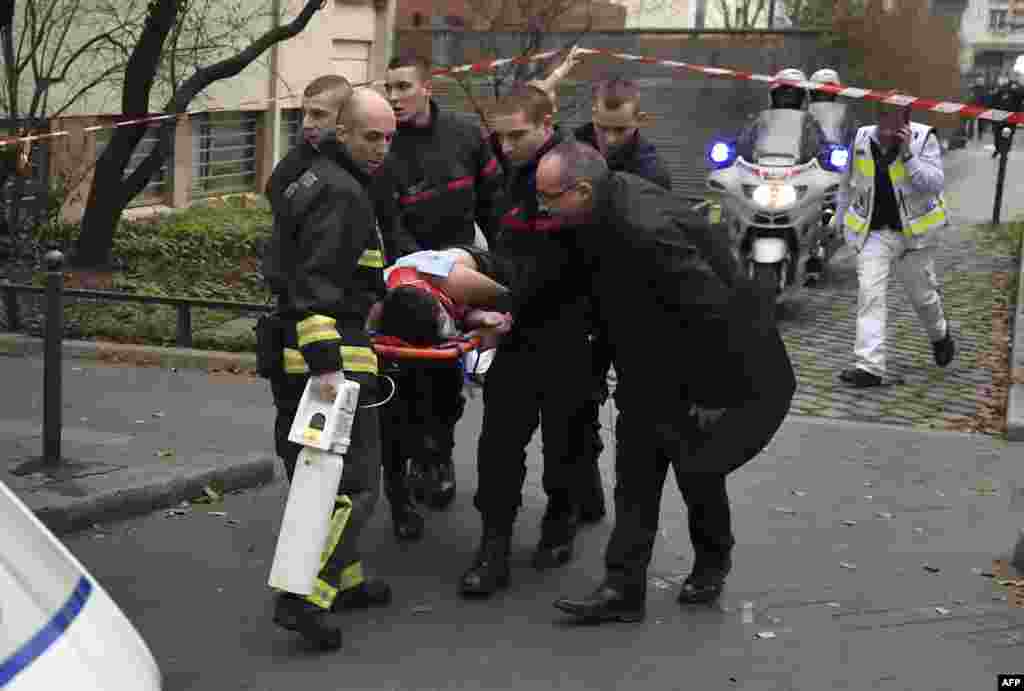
557,533
705,583
944,350
407,522
607,603
490,570
310,621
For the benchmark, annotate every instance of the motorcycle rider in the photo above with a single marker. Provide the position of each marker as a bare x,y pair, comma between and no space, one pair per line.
783,97
826,75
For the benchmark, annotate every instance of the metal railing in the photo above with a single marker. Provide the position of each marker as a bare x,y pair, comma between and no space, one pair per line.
183,330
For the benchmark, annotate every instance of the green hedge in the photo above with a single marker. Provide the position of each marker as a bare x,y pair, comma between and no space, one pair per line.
209,251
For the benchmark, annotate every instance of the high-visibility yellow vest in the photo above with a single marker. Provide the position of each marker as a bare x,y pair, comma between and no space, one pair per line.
921,213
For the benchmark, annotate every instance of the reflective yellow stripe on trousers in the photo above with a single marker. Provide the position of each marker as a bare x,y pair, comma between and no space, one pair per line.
355,359
324,593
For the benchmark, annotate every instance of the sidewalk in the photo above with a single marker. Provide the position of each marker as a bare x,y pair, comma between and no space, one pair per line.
135,438
835,524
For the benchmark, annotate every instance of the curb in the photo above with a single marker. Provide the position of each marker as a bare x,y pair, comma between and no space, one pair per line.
1015,405
15,344
63,515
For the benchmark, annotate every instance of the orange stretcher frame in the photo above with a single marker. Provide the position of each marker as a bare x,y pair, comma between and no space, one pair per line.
391,347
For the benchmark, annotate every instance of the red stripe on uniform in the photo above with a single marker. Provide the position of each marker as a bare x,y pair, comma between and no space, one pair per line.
491,168
452,186
534,225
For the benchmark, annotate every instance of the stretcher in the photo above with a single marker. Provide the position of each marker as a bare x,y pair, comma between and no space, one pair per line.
397,349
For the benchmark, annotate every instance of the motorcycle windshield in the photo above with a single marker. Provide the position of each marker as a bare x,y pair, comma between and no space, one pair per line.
835,120
780,137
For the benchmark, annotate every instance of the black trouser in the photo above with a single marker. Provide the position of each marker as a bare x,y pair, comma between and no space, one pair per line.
360,480
418,423
643,454
756,385
536,379
601,364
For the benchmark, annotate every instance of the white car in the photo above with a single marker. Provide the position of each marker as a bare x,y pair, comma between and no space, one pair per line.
58,627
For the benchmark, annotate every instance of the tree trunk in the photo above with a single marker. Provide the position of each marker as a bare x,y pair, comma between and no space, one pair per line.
111,190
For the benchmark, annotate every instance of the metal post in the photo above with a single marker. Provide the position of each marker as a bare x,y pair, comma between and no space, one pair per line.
183,337
1003,133
13,309
52,362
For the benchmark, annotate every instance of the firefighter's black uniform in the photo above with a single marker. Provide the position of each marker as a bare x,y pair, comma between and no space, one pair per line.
324,264
437,180
640,158
668,285
540,375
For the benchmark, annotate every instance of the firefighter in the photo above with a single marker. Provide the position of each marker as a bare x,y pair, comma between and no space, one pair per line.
325,267
668,283
439,179
541,372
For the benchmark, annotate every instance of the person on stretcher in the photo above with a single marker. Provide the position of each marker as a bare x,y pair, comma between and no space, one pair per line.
436,296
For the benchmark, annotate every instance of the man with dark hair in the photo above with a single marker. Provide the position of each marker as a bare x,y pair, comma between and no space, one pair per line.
438,185
325,265
657,268
891,208
541,371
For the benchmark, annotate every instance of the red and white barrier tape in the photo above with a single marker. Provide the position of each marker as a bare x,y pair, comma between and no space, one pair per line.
962,110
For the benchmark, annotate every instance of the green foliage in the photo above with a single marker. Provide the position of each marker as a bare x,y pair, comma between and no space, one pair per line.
209,252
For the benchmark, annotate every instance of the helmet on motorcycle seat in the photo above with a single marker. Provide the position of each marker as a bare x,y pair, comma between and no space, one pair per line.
826,75
785,95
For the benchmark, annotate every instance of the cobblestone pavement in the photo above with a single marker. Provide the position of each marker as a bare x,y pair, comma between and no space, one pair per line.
974,267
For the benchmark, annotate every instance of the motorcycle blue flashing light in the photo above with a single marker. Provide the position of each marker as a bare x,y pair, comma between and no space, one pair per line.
720,153
839,158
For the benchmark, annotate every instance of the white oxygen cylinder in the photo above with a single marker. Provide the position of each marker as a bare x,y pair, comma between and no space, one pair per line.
323,428
307,518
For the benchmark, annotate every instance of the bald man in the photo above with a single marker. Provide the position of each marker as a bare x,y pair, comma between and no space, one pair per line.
325,266
656,268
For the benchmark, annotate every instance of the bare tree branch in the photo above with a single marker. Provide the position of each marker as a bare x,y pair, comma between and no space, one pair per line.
73,98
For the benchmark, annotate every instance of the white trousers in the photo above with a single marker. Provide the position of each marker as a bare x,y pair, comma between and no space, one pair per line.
883,250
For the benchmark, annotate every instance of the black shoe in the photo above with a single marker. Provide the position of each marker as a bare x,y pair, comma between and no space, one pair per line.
705,583
441,489
859,378
944,350
557,533
407,522
490,570
310,621
366,594
605,604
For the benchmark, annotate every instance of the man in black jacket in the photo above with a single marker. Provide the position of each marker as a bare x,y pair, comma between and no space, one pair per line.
439,178
614,130
659,269
541,372
325,266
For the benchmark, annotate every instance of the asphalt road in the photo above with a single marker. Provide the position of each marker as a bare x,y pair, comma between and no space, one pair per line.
195,585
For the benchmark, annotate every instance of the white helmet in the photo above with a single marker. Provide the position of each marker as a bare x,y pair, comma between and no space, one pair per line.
790,74
826,75
1018,68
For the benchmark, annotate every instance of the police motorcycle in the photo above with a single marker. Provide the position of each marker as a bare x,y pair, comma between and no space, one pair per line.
838,126
773,184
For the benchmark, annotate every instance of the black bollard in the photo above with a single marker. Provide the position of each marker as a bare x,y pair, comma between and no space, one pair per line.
1003,142
52,358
